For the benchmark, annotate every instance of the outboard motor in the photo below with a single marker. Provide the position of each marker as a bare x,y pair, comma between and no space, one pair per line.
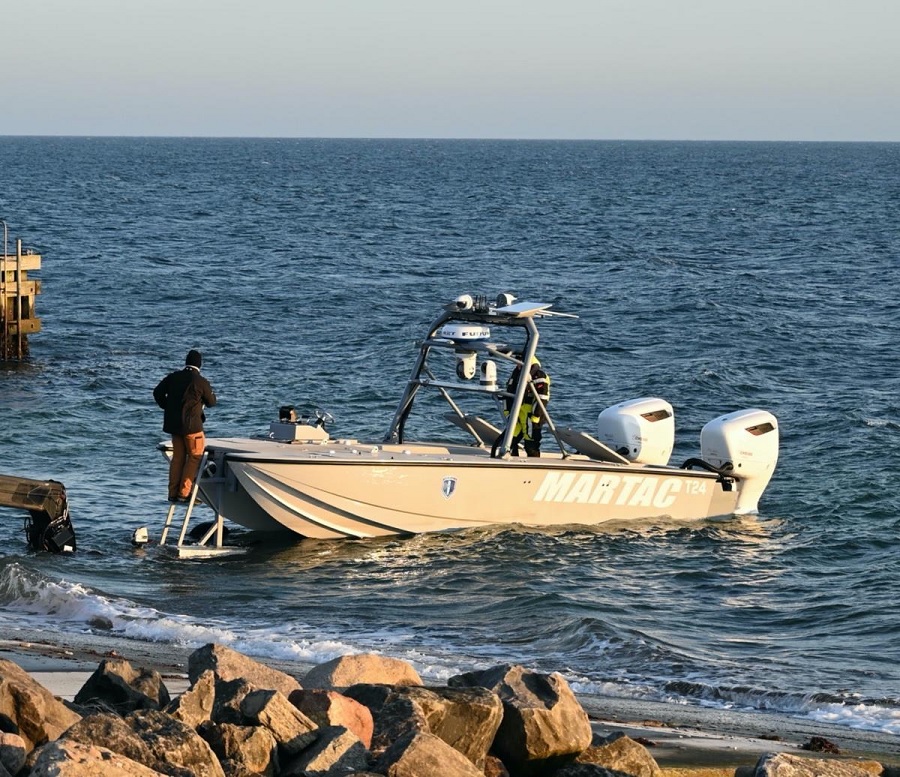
46,532
48,525
641,430
746,444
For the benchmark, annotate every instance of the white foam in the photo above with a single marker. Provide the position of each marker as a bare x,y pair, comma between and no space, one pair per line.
881,423
59,606
867,717
859,716
27,595
66,607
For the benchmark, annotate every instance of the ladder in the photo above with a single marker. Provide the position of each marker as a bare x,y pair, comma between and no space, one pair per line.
202,548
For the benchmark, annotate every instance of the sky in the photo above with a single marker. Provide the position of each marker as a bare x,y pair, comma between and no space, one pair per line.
815,70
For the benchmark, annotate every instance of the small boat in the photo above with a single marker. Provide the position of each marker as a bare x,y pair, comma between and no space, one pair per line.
298,479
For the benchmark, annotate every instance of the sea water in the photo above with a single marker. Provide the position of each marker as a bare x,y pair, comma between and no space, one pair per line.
717,276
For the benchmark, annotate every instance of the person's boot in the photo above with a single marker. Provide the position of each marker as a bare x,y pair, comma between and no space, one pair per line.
532,450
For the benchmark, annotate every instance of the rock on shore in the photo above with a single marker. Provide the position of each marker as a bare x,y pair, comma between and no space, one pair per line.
356,715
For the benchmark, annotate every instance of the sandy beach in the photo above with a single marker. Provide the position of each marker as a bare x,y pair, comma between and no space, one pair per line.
684,740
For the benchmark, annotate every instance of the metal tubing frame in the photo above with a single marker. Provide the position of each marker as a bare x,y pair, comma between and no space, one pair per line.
503,450
415,381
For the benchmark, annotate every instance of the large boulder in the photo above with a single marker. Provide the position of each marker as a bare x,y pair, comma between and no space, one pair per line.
174,743
330,708
152,738
467,719
369,668
228,664
195,705
787,765
393,715
336,751
543,723
228,695
110,731
67,758
252,747
212,699
116,684
419,754
35,713
291,728
619,752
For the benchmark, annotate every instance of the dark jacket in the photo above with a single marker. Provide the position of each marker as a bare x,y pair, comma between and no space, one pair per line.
182,396
540,382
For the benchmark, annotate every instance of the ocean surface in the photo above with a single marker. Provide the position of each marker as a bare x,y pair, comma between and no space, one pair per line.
715,275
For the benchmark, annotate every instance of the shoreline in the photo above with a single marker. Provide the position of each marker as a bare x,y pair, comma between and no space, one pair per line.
679,737
695,736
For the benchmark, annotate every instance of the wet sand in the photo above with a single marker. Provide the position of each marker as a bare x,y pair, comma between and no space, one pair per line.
683,739
684,736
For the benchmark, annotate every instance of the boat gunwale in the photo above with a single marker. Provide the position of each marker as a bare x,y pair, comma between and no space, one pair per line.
250,457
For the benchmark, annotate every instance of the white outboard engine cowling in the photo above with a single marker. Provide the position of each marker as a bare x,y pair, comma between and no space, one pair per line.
748,441
642,430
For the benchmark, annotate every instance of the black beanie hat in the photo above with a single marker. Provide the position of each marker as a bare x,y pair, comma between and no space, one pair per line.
194,359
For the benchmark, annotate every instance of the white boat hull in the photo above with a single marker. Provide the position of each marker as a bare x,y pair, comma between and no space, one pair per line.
337,490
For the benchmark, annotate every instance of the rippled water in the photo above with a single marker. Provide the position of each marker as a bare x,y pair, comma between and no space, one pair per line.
716,275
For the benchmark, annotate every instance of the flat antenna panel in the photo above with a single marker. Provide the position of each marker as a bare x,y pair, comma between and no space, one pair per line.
523,309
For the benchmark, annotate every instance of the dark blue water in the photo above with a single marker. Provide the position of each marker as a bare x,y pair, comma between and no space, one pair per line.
715,275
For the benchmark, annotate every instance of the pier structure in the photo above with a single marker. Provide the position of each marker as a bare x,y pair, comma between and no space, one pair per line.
17,296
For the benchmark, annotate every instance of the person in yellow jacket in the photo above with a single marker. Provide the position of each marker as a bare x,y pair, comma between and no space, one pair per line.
530,422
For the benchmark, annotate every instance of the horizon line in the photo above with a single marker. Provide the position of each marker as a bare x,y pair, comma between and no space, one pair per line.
432,138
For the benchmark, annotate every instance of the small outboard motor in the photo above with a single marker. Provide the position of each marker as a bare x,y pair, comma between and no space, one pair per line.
641,430
140,537
745,443
46,532
47,525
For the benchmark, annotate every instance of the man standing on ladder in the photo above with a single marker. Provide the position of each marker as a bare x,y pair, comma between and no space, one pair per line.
182,395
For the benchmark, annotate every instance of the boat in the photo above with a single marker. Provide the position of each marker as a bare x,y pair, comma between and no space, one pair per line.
297,478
